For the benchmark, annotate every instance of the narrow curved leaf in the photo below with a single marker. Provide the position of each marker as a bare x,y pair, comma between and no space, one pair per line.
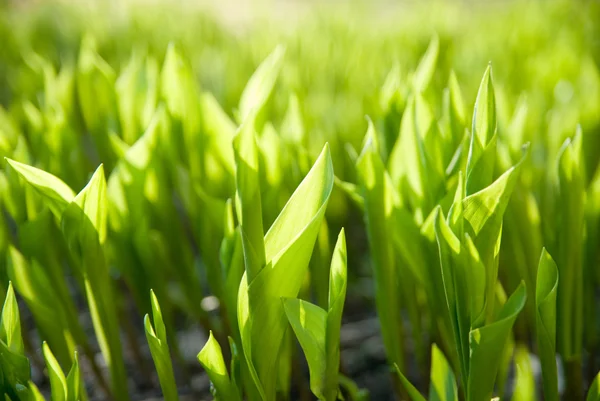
411,390
248,199
211,359
442,386
288,244
57,194
487,344
309,323
259,87
58,381
426,68
594,391
545,301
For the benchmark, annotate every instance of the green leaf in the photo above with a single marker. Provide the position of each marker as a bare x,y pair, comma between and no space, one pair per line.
456,289
40,293
426,68
292,128
211,359
525,381
545,302
88,209
10,326
442,386
415,165
259,87
159,348
57,194
180,93
14,366
84,227
137,95
309,323
74,383
483,213
487,344
487,206
457,114
338,278
411,390
484,113
248,199
219,163
594,391
288,247
569,249
380,202
58,381
97,98
482,149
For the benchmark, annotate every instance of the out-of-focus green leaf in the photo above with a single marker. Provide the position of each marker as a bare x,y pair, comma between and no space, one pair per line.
569,253
594,391
37,288
425,70
525,381
219,162
10,326
75,389
57,193
442,386
14,366
259,87
248,200
180,93
380,201
97,99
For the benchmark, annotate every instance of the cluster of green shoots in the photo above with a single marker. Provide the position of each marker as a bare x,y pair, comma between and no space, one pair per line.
484,248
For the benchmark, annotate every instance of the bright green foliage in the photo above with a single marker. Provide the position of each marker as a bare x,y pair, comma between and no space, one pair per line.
14,372
259,87
380,201
41,291
64,388
211,359
442,386
232,130
83,223
545,300
525,380
318,330
288,245
156,335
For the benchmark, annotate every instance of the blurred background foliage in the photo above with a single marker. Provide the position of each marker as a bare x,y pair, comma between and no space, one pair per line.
338,55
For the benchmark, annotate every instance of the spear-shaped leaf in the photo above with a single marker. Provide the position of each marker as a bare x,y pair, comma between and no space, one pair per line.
288,247
211,359
259,87
545,302
57,194
159,348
